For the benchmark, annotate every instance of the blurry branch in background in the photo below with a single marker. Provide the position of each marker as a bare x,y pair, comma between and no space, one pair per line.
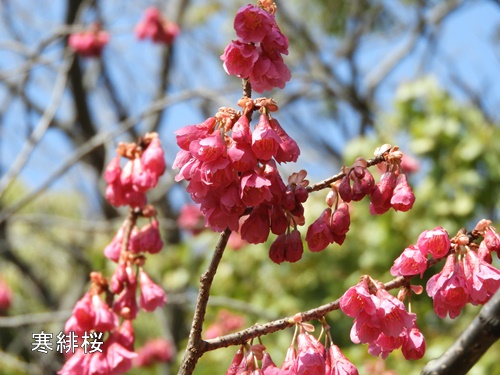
167,58
97,141
41,128
37,318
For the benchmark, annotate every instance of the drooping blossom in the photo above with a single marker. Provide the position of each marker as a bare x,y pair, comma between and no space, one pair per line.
380,197
380,318
449,289
147,239
155,27
402,197
89,43
310,355
411,262
413,347
319,235
435,242
152,295
257,53
339,364
483,279
145,165
154,351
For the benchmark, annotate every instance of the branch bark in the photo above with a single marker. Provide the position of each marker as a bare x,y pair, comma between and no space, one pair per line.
483,332
196,346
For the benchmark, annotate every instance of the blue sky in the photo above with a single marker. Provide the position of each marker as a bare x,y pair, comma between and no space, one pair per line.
465,46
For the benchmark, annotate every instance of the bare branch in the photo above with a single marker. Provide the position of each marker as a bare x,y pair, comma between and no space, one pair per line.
196,346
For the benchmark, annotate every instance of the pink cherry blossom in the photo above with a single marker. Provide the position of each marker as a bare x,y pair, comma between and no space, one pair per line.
89,43
269,73
290,362
78,363
339,364
191,219
126,303
482,277
152,295
254,188
256,227
319,235
5,296
156,28
241,131
357,299
449,289
410,262
403,197
153,160
310,355
187,134
380,197
154,351
288,150
242,157
105,318
252,24
113,249
435,242
147,239
413,347
239,59
384,345
366,328
236,362
392,314
492,240
265,141
207,149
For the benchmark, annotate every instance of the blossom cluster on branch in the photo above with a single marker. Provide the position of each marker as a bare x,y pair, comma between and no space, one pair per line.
109,307
231,167
153,25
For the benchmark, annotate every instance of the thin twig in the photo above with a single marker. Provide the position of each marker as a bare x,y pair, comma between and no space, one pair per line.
196,346
326,183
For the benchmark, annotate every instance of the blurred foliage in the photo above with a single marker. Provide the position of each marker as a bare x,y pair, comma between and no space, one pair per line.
458,183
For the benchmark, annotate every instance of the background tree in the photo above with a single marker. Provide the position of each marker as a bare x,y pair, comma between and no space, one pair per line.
61,114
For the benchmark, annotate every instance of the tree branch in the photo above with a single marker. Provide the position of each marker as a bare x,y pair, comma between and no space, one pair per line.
326,183
483,332
196,346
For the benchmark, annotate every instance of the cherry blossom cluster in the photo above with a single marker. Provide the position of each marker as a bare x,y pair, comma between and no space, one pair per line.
231,170
257,53
153,25
392,190
381,320
110,307
145,165
89,43
467,276
309,357
156,27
